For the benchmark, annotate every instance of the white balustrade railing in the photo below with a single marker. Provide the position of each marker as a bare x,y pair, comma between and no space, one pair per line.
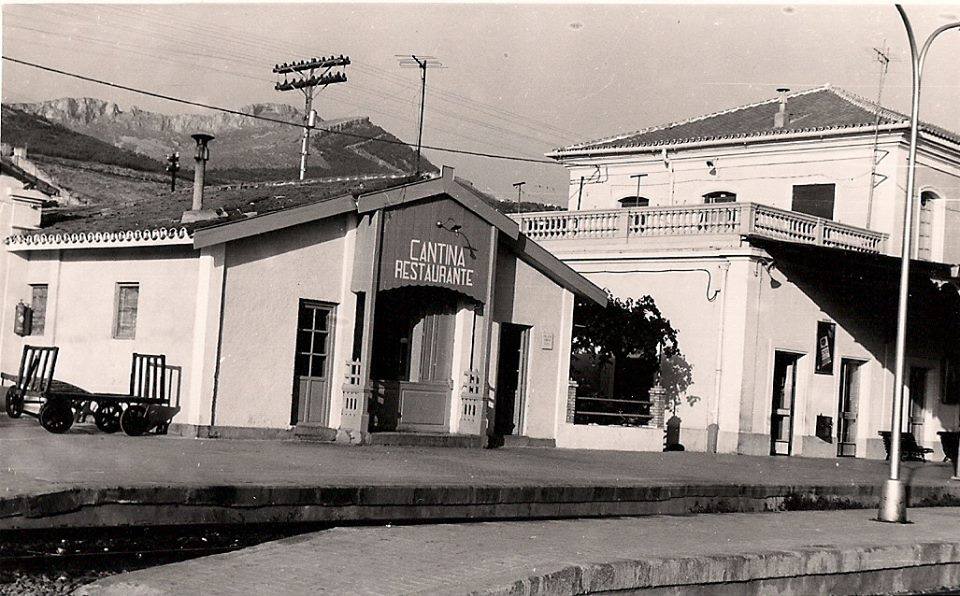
698,220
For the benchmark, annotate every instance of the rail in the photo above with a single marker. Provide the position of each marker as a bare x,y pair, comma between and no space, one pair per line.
699,220
612,412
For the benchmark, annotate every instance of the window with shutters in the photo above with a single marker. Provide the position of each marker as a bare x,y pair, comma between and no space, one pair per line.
38,305
125,313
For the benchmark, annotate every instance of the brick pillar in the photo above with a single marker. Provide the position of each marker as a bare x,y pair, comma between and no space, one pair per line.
658,404
571,400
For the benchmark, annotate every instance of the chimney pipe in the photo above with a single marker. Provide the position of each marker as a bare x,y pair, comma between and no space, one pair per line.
197,212
781,118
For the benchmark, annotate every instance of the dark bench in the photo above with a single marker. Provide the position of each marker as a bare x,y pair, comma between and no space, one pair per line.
909,448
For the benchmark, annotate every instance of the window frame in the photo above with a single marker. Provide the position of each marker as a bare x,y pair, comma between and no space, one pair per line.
119,287
627,201
724,196
34,310
809,188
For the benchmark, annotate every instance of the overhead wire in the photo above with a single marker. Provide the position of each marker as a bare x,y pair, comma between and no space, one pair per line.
454,117
258,46
267,118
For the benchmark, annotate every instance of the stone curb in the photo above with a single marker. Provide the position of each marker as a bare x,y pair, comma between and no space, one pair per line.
815,566
161,505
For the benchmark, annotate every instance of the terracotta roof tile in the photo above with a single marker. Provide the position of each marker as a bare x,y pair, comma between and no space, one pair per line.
822,108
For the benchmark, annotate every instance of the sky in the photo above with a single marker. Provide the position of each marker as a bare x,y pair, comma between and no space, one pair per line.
517,79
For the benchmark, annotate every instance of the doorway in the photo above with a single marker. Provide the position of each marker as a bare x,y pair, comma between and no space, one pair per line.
311,369
511,376
783,398
847,408
918,392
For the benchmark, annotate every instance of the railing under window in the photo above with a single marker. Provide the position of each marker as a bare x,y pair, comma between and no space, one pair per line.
699,220
613,412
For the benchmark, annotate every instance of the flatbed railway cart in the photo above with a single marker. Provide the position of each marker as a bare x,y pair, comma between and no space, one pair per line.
144,408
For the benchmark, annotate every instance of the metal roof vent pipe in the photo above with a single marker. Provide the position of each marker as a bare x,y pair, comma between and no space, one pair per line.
197,212
781,119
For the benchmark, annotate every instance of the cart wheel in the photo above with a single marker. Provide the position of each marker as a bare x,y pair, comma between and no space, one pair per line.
107,417
56,416
133,421
14,402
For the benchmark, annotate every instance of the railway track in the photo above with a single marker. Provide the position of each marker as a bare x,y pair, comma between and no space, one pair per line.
57,562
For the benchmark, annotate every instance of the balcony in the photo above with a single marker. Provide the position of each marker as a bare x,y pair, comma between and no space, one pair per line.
692,226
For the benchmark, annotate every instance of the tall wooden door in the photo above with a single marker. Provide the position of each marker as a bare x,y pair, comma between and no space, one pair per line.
847,410
311,403
783,398
511,374
918,391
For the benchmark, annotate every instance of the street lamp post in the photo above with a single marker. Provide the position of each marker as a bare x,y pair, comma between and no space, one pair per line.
893,498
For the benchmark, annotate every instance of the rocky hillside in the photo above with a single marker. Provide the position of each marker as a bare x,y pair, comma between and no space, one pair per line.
244,149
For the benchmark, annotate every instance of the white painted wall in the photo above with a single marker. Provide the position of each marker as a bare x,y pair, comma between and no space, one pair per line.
265,278
766,174
525,296
80,311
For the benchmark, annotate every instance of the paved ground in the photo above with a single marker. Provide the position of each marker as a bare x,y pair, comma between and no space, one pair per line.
33,461
573,556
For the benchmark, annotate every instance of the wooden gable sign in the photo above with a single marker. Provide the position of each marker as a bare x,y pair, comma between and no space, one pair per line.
437,243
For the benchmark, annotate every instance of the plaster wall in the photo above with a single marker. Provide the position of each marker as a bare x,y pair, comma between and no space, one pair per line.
265,278
524,296
81,309
762,174
689,292
787,321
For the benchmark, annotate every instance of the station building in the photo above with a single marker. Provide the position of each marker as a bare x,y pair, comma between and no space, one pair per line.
769,235
326,310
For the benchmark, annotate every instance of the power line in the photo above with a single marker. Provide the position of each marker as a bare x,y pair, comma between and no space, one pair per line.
268,119
237,58
246,40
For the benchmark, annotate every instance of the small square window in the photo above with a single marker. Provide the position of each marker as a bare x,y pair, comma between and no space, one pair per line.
38,304
125,313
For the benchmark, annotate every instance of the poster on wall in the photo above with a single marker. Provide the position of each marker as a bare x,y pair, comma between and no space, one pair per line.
825,339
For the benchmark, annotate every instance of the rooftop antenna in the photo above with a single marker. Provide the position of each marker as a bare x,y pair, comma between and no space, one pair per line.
882,56
423,63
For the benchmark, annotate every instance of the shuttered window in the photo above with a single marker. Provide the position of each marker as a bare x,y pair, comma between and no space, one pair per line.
39,306
125,316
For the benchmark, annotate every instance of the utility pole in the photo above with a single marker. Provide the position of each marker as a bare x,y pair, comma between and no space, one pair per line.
883,57
423,63
519,187
638,177
310,74
173,166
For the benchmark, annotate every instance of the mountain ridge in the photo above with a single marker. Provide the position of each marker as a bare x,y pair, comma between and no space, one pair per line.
242,144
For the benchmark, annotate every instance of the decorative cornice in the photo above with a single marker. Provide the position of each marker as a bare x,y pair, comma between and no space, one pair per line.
121,239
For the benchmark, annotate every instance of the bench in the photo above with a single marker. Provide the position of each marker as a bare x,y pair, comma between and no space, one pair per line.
910,450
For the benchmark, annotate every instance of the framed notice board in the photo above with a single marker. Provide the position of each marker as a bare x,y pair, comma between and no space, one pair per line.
826,334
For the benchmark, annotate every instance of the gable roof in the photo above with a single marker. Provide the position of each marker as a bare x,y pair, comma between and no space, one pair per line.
818,110
446,185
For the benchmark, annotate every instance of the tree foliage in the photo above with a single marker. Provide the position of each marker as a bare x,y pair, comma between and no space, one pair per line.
624,327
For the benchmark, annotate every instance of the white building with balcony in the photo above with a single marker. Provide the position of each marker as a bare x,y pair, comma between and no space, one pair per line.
769,235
